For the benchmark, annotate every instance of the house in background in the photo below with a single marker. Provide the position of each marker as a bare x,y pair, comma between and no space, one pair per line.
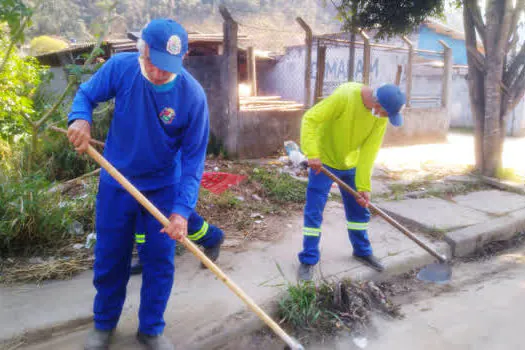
285,75
429,35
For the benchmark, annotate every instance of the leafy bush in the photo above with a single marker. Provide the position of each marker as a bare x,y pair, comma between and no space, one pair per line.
18,82
44,44
58,157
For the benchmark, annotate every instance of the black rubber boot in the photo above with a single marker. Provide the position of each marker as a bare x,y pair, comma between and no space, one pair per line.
98,340
371,261
155,342
305,272
136,269
213,252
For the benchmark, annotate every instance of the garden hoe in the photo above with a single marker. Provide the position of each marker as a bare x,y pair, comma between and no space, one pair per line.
291,342
436,272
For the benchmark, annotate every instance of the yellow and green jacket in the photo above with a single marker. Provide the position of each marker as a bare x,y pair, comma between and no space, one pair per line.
343,133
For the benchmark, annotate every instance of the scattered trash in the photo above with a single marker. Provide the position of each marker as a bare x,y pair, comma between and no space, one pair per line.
76,228
216,169
217,182
294,153
91,239
258,221
256,215
256,197
78,246
240,198
360,342
289,226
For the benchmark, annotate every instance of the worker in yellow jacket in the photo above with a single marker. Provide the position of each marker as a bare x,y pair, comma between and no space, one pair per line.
344,133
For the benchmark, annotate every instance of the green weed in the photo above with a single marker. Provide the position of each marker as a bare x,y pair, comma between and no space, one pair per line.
280,187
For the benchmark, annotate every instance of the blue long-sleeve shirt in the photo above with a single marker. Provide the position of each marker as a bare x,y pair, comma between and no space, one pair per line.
149,128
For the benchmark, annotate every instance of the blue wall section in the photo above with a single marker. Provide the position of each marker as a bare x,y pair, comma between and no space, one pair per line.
429,40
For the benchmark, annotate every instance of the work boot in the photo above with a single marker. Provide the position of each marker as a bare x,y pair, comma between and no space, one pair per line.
155,342
213,252
305,272
371,261
98,340
136,269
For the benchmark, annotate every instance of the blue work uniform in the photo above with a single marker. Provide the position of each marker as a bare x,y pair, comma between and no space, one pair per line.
148,129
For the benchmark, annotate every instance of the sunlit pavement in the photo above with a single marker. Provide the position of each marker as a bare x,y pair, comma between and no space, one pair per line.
454,156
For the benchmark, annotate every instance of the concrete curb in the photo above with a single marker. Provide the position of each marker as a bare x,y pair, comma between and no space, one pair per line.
468,240
222,331
36,335
246,322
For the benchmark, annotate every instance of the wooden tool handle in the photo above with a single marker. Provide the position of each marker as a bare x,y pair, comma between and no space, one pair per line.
385,216
92,141
193,248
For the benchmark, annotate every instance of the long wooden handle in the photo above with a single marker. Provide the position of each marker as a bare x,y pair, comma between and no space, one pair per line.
63,131
292,343
92,141
385,216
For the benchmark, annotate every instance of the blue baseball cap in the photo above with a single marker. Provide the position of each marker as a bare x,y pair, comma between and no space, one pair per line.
168,43
392,99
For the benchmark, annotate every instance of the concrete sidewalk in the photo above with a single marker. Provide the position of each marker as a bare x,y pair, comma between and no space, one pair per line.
466,222
202,311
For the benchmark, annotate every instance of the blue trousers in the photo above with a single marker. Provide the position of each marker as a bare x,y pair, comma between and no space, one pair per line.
116,217
357,217
199,231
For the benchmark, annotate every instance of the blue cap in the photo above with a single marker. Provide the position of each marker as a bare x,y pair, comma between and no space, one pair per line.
392,99
168,43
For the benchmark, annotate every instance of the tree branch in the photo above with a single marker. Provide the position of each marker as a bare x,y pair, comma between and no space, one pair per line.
519,60
520,6
14,39
520,80
478,57
477,19
519,92
475,84
50,111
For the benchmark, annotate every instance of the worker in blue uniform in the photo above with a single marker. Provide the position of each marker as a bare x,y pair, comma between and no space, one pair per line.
160,109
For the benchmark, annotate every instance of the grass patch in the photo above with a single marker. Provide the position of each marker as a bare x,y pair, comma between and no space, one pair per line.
509,174
280,187
427,188
317,311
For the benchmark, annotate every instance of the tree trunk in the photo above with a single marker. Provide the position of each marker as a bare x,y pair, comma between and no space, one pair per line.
488,100
496,24
476,87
